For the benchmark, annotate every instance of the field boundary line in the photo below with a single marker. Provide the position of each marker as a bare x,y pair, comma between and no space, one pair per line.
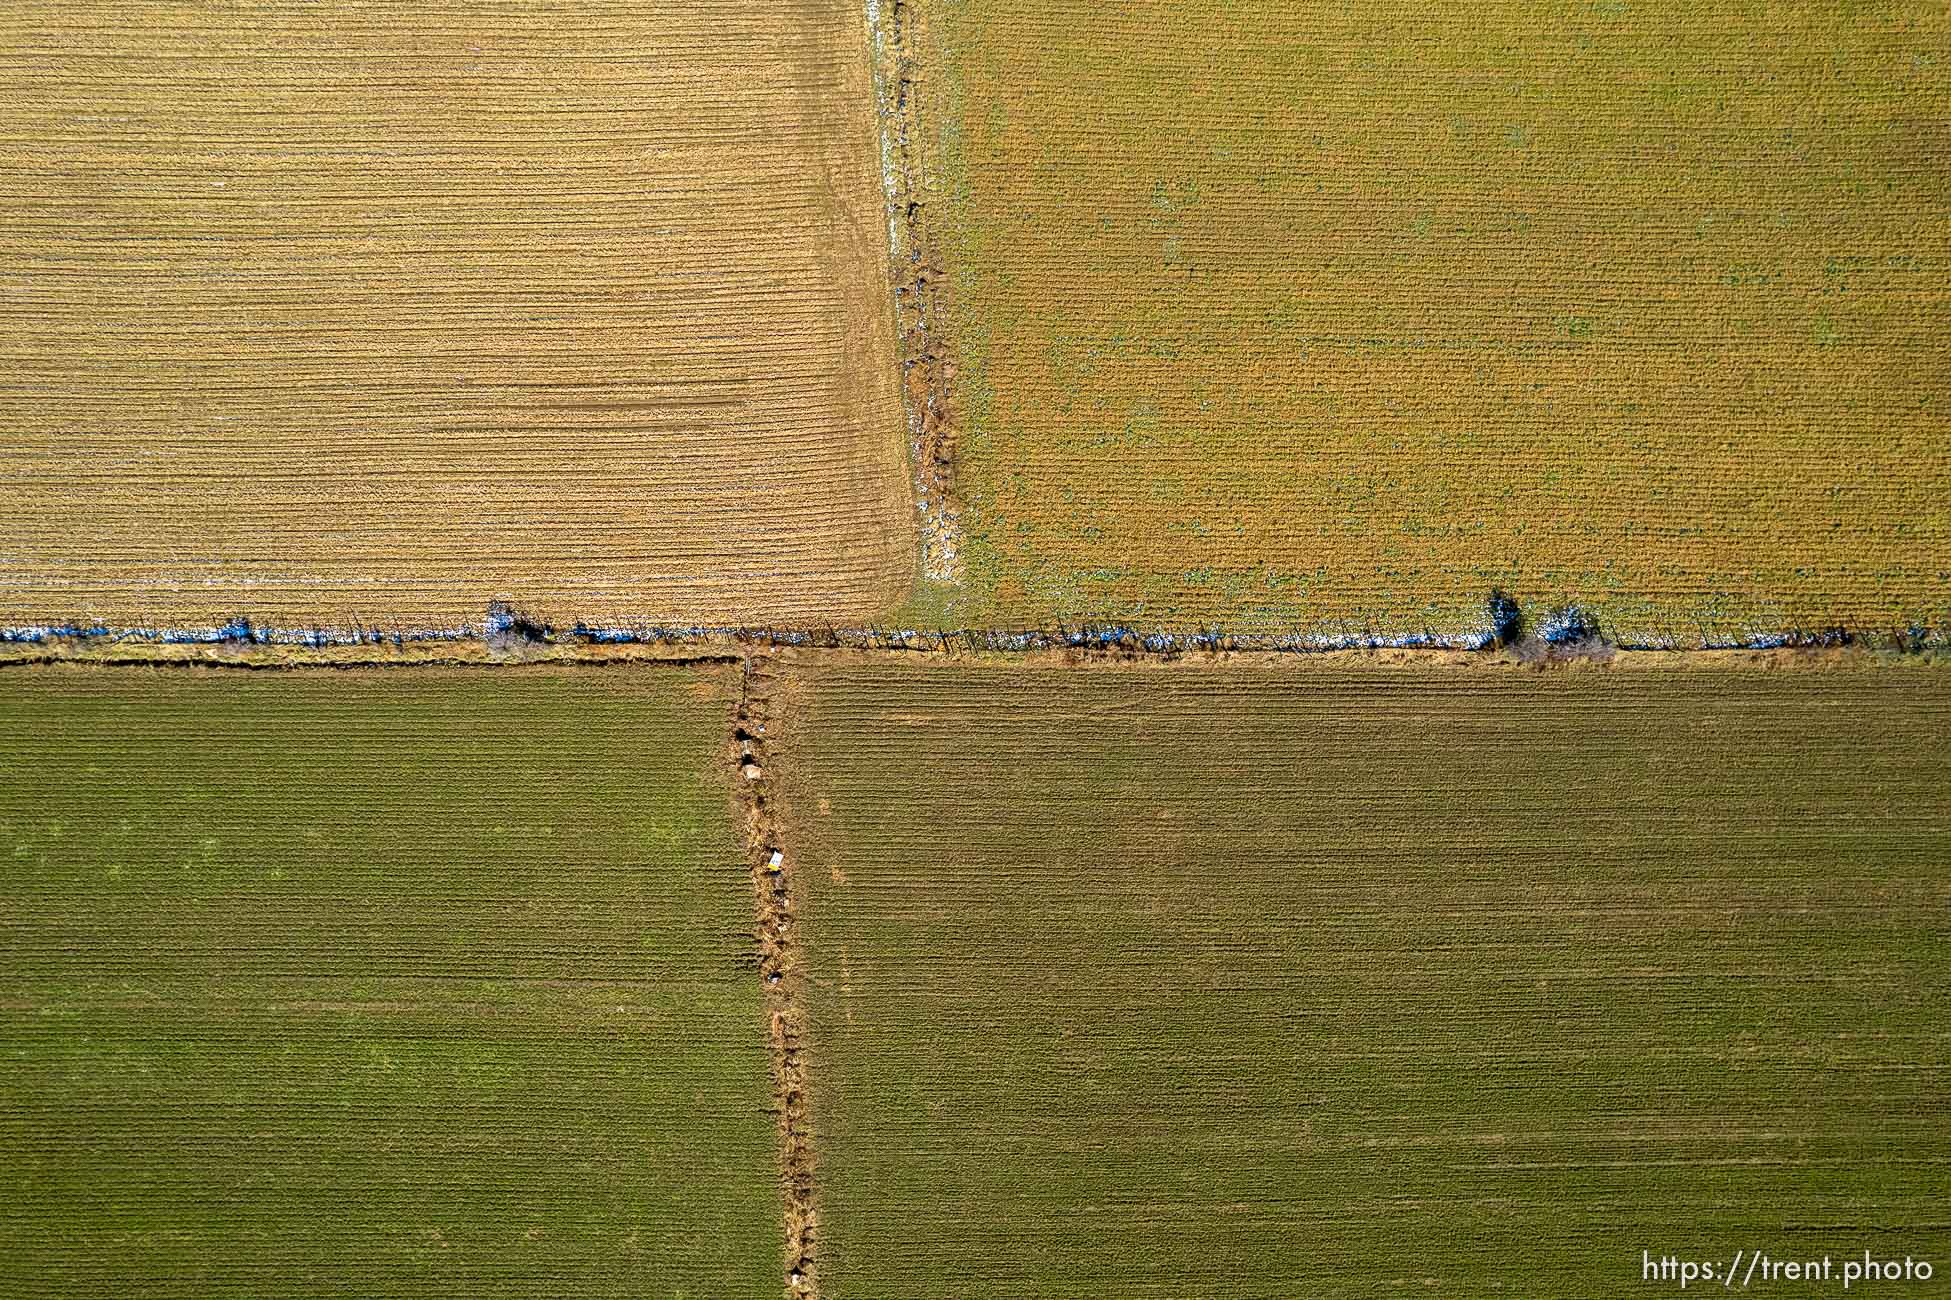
505,638
921,309
778,969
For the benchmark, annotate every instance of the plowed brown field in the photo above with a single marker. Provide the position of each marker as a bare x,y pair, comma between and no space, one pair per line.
1307,980
1276,313
327,313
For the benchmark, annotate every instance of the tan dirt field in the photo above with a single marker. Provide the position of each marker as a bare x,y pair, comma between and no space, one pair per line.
377,314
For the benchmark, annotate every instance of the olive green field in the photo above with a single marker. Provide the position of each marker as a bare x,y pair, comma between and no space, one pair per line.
378,983
1304,980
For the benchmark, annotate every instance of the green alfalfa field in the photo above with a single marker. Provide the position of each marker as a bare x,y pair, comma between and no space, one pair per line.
381,983
1329,978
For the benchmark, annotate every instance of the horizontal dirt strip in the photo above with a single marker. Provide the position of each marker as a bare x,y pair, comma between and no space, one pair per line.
726,646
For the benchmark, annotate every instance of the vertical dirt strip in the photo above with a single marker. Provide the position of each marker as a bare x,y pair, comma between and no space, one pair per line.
777,968
920,282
